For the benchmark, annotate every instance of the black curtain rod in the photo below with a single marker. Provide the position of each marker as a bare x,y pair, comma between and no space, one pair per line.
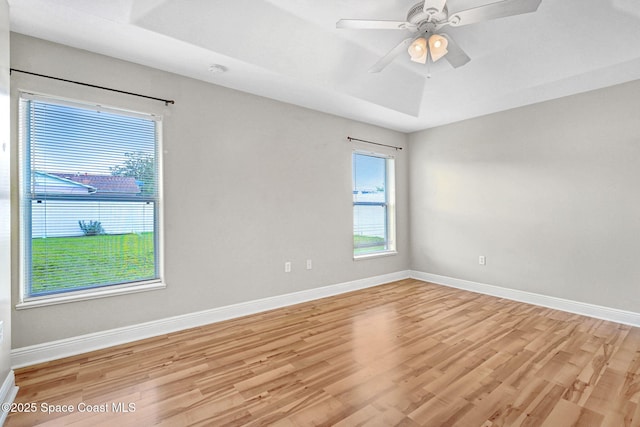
166,101
374,143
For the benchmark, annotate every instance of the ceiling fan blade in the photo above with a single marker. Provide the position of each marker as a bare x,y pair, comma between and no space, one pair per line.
386,60
499,9
434,4
455,55
363,24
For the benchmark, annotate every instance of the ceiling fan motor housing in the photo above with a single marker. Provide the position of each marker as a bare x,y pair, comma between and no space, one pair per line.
417,15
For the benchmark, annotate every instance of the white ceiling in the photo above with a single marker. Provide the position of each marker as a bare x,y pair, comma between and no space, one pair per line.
290,50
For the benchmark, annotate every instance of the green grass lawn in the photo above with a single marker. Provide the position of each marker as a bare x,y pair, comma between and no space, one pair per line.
365,244
66,263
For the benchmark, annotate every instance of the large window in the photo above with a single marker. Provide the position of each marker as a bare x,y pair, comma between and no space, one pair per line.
373,204
89,198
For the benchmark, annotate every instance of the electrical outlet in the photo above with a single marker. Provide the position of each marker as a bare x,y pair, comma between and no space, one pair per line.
309,264
482,260
287,267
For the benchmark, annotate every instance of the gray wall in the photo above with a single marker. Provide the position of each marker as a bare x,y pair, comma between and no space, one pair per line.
249,183
5,253
548,193
545,192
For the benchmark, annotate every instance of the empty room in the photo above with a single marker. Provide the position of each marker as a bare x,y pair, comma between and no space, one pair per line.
338,213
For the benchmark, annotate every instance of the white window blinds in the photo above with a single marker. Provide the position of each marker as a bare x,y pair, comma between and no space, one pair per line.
373,204
89,196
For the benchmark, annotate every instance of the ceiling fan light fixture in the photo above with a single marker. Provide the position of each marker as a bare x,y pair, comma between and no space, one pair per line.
428,16
418,50
437,46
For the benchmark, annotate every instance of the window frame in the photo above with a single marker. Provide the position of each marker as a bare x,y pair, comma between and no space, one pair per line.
389,205
25,210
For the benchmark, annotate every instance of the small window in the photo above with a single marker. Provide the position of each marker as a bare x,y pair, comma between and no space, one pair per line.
373,204
89,198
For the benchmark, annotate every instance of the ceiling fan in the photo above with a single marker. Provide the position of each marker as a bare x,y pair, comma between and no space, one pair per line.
427,18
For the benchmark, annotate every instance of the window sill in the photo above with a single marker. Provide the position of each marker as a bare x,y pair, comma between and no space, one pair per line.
374,255
89,294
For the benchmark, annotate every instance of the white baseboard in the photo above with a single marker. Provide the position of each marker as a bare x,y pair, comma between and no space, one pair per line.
45,352
7,394
585,309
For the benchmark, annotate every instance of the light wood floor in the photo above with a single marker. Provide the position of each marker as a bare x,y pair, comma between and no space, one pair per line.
406,353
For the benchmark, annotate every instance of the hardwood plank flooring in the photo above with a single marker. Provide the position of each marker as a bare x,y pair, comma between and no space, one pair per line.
408,353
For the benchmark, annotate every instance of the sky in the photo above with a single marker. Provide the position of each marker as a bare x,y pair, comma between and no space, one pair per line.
77,140
368,172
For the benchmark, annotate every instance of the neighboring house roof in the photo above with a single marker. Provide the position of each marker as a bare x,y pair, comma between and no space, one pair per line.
104,184
46,183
